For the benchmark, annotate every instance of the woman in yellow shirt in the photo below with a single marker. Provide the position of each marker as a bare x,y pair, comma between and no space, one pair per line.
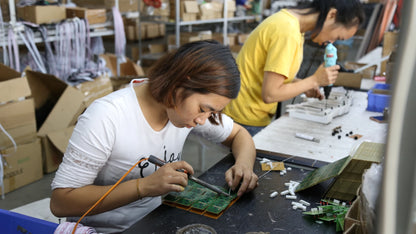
273,53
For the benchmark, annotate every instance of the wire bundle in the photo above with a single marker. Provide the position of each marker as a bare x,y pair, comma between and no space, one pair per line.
67,227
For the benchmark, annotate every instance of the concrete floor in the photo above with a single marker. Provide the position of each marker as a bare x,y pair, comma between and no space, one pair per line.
200,153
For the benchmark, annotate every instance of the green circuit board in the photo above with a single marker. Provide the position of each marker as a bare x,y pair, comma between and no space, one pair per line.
201,200
323,173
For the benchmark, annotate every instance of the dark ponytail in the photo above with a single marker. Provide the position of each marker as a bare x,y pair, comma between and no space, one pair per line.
349,12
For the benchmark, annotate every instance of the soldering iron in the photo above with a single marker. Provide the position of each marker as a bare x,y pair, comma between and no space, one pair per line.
330,59
160,163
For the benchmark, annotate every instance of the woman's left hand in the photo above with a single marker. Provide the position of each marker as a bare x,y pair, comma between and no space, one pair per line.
240,173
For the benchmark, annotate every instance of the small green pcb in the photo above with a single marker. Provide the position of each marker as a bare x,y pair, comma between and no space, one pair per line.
201,200
331,212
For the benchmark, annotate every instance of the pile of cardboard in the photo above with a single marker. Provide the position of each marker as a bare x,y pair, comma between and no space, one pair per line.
42,14
22,165
191,10
211,10
186,37
148,30
39,112
127,71
58,106
123,5
93,16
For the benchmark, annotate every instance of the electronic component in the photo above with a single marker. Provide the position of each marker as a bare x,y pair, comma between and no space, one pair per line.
198,199
274,194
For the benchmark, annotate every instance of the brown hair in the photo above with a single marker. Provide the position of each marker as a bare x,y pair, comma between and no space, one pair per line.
198,67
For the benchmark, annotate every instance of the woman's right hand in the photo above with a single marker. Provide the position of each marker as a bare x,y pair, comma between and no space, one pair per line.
326,75
166,179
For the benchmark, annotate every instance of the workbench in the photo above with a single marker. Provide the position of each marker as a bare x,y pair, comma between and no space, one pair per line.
253,212
256,211
278,138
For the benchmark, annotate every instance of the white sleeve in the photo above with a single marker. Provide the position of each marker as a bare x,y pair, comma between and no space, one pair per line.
89,147
215,133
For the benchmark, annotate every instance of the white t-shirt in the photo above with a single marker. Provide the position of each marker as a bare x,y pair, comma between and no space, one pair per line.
109,138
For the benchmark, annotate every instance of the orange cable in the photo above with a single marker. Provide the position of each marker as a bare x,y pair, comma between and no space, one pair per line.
106,194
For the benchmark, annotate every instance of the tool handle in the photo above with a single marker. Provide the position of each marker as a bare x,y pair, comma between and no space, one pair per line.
330,58
155,160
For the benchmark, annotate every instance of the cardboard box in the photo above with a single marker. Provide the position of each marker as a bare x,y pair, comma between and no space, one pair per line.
241,38
42,14
152,30
4,6
187,37
17,110
132,30
55,142
211,10
123,5
23,166
61,105
128,71
353,80
231,38
129,68
157,48
345,185
189,10
92,90
93,16
390,40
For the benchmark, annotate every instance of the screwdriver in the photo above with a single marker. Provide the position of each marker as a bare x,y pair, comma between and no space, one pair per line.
330,58
159,162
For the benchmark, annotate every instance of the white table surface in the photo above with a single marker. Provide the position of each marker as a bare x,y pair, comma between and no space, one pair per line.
279,137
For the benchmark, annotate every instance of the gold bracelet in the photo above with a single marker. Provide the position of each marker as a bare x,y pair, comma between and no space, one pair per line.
137,187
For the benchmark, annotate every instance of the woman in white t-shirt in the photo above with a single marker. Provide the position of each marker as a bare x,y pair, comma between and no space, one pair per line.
186,90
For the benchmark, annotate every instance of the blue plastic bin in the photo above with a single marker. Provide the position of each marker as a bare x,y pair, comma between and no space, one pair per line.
15,223
378,101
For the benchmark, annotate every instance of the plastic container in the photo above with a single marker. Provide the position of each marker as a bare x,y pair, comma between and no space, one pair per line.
379,97
15,223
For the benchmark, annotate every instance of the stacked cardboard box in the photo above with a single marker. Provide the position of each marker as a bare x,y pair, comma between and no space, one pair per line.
93,16
353,80
231,8
231,38
123,5
186,37
346,184
211,10
4,5
58,106
42,14
23,164
148,30
131,29
128,71
162,13
189,10
154,30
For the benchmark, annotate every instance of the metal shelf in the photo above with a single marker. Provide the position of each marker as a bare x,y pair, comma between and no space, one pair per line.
196,22
96,30
178,23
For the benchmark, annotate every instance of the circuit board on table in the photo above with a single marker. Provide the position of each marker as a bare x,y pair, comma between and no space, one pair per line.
323,173
200,200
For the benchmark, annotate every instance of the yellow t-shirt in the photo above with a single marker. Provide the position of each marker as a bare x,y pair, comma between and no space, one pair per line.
275,45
